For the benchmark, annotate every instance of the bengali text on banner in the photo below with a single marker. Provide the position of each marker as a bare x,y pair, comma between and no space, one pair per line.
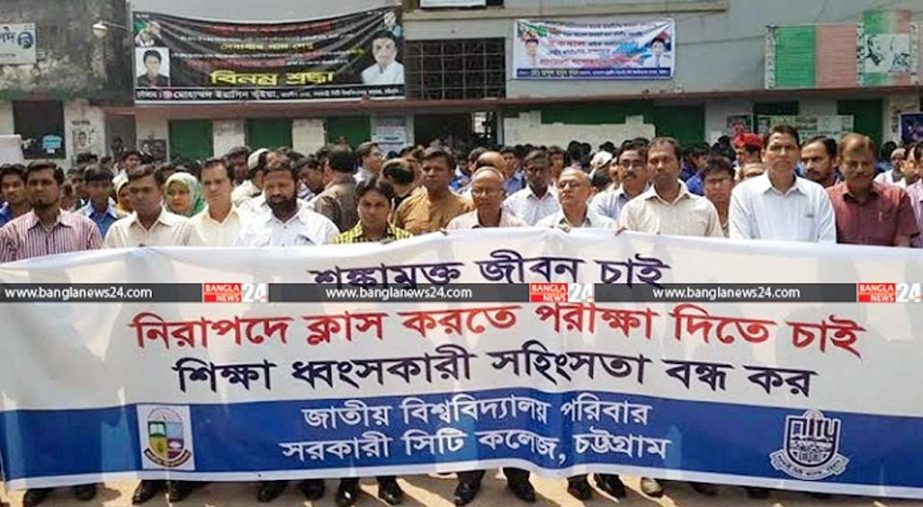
627,353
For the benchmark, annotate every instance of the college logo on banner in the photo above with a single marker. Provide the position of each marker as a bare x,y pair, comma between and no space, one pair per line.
166,437
811,447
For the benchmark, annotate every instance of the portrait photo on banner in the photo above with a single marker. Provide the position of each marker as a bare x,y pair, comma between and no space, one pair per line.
911,128
152,67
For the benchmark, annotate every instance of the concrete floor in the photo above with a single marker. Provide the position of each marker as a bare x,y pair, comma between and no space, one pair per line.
436,491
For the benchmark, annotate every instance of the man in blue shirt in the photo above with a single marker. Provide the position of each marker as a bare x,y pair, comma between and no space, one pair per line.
515,180
101,209
697,159
13,192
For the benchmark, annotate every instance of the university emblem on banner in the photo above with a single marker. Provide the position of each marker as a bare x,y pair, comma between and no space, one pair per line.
166,437
811,448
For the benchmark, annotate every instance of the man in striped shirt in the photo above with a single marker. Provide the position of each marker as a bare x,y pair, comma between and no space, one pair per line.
46,230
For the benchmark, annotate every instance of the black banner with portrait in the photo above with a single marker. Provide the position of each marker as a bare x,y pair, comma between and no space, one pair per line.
345,57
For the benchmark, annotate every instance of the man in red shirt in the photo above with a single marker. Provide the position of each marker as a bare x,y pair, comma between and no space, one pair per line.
869,213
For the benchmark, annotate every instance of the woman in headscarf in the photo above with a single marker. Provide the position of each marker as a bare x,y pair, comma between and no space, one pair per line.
184,195
122,193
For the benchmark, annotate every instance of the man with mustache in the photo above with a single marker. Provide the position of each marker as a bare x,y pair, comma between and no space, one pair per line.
434,208
291,223
778,205
819,157
867,212
47,230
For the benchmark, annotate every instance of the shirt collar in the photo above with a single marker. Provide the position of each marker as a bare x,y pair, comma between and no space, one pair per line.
592,218
207,216
763,185
390,232
63,220
301,215
549,193
620,192
162,218
651,193
874,192
90,211
504,219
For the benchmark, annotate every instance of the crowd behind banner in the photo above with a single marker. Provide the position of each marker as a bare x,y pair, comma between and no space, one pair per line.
775,187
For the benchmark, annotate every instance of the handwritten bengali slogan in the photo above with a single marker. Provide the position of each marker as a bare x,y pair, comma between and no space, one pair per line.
467,375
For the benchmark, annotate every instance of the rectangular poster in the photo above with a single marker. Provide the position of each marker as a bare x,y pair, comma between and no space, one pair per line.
834,126
816,56
346,57
884,48
911,128
791,56
732,362
17,44
565,50
738,124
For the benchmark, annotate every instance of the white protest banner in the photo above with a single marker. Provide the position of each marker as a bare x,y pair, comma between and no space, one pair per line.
751,363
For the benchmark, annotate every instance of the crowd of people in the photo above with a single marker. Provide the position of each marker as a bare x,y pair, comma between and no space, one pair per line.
773,187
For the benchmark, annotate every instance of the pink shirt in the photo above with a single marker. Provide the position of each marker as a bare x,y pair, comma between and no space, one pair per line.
878,221
26,237
915,192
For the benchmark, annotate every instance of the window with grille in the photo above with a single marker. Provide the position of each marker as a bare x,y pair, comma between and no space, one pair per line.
455,69
40,124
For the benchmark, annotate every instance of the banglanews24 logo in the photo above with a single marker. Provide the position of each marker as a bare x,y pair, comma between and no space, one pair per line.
811,448
166,437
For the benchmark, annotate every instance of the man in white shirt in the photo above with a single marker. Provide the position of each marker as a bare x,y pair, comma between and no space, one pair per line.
150,224
574,191
219,223
386,70
290,223
631,171
778,205
488,192
658,59
898,174
668,207
254,184
537,200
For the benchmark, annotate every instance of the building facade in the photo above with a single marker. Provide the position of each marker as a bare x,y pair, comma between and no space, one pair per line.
55,98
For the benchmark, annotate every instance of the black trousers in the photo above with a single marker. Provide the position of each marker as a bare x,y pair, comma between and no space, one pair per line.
583,477
353,481
514,475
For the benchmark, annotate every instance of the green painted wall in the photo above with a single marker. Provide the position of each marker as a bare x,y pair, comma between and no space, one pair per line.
268,132
686,123
191,139
356,129
776,108
867,116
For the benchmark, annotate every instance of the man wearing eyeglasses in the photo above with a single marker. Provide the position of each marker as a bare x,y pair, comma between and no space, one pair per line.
537,200
631,171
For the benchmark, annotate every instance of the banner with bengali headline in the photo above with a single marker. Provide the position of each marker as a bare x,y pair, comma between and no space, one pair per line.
812,396
349,57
